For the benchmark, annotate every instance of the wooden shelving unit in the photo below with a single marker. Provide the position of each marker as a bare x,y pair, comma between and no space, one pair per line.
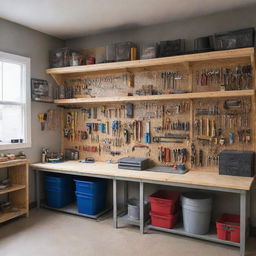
127,66
17,172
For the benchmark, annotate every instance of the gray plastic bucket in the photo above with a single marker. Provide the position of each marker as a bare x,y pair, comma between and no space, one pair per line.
134,208
196,209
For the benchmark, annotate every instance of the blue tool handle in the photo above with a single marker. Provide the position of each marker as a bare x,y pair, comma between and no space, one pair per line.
147,138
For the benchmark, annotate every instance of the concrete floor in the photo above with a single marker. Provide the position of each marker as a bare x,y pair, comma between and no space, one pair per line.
51,233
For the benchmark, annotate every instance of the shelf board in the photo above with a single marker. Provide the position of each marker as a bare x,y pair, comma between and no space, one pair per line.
10,215
179,230
125,219
135,64
12,188
122,99
11,163
72,209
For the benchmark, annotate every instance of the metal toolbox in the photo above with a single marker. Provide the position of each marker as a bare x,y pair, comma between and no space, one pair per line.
237,163
133,163
234,39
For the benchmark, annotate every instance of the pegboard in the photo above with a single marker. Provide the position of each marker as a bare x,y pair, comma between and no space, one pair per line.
175,118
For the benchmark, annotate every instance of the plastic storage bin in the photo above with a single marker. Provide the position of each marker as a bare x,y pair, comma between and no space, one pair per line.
228,227
148,51
110,53
91,186
124,51
164,202
59,191
196,212
90,205
164,221
60,57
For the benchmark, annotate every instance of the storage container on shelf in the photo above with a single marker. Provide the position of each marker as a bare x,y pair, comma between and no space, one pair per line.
196,208
228,227
90,194
90,186
164,221
90,205
59,190
60,57
164,202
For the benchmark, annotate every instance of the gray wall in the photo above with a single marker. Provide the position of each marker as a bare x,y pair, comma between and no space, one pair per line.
186,29
23,41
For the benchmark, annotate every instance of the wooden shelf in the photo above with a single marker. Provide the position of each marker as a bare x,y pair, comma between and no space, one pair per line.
12,188
194,95
10,215
126,65
11,163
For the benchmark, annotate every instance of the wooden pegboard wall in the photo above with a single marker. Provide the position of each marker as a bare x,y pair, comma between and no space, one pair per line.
103,85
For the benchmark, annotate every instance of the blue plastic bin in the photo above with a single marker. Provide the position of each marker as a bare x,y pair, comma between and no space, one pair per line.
91,186
59,191
58,198
90,205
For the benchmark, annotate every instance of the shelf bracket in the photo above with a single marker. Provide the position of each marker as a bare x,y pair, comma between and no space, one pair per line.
58,78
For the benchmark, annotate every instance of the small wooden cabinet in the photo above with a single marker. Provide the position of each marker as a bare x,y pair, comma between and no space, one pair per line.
17,193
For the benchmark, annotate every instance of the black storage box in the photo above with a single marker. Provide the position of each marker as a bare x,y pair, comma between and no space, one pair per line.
203,44
171,48
237,163
234,39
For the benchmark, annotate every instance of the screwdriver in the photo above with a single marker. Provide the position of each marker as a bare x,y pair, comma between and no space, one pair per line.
42,119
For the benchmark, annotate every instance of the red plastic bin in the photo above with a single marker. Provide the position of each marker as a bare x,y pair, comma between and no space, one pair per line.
164,221
228,227
164,202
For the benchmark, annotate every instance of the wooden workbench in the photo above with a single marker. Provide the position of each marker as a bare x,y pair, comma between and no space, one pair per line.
108,170
211,181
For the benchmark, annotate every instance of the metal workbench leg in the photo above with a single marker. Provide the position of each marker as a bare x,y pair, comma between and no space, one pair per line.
141,207
243,221
38,188
125,195
115,224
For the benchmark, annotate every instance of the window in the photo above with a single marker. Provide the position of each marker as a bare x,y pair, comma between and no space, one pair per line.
15,123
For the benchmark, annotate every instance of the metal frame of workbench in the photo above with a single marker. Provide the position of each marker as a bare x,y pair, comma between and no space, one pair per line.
244,206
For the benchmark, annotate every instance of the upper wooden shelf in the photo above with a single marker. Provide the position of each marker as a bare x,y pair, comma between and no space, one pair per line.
126,65
194,95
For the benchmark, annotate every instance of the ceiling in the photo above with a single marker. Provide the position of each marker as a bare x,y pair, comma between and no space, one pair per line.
73,18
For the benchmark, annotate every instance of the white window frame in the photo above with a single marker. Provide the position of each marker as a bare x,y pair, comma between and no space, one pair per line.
26,93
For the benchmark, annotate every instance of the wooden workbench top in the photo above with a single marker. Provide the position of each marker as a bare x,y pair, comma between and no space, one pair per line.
208,179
